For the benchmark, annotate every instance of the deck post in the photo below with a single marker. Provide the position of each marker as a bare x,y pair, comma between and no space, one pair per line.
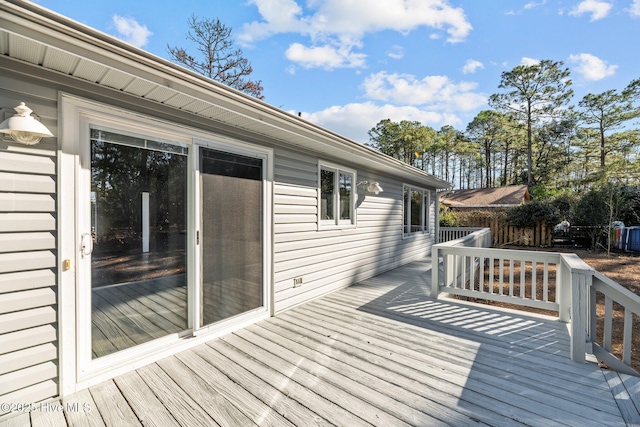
563,291
575,279
435,267
580,292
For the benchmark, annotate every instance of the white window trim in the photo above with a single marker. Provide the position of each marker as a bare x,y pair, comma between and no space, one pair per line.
424,212
337,223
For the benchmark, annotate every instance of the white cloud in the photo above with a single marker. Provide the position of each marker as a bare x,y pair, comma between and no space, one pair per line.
397,52
131,31
529,61
438,92
471,66
534,4
596,8
635,8
434,101
328,57
591,67
355,120
343,24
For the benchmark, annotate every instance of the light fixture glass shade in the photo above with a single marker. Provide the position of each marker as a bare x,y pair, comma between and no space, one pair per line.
374,187
23,127
370,187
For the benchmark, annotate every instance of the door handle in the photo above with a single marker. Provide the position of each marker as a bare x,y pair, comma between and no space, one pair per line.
86,244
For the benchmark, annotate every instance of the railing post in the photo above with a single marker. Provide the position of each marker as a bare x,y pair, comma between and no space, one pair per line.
574,301
435,267
580,292
563,291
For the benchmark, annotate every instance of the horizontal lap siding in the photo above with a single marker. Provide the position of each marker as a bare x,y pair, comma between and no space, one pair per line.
28,291
329,259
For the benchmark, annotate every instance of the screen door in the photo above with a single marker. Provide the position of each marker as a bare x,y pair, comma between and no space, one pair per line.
231,201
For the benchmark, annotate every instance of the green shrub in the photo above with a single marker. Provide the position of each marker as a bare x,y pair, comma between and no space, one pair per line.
530,213
448,218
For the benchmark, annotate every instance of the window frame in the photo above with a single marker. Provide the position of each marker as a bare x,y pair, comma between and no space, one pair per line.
425,211
336,221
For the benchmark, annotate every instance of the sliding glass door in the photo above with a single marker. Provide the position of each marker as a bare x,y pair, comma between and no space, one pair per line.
232,228
171,237
136,248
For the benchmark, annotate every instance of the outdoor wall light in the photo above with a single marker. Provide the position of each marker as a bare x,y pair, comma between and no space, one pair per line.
371,187
23,127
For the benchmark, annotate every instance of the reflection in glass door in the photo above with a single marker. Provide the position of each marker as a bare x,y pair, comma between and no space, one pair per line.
137,244
231,188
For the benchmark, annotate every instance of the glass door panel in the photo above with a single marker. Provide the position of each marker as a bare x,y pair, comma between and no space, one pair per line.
231,188
138,235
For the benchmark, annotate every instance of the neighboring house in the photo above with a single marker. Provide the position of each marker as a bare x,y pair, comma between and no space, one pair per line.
486,198
169,209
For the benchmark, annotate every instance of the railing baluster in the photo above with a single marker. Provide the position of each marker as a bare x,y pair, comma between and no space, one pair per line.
463,266
501,276
491,275
593,315
481,275
608,321
534,282
472,278
523,285
627,341
455,269
511,277
545,286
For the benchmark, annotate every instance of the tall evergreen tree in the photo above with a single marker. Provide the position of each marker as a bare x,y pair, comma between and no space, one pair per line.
607,113
533,92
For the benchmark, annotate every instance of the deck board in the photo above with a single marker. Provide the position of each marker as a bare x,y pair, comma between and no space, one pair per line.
142,400
48,418
113,407
269,386
626,390
377,353
478,377
256,410
80,410
443,375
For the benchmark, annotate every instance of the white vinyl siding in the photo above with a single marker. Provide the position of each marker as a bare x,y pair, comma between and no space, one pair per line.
332,258
28,292
28,283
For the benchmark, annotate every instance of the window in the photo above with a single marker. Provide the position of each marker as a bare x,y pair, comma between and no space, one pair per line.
336,204
417,207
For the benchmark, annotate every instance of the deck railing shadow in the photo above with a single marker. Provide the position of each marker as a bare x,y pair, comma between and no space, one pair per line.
471,269
512,358
409,301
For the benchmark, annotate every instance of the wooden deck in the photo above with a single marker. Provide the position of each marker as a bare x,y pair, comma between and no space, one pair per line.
377,353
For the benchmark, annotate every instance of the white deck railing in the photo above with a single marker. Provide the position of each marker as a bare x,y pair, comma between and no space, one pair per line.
630,303
562,283
447,234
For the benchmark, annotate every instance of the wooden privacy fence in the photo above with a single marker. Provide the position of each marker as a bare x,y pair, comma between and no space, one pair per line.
536,235
503,234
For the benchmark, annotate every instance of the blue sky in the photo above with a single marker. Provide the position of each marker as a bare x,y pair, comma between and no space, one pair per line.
347,64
